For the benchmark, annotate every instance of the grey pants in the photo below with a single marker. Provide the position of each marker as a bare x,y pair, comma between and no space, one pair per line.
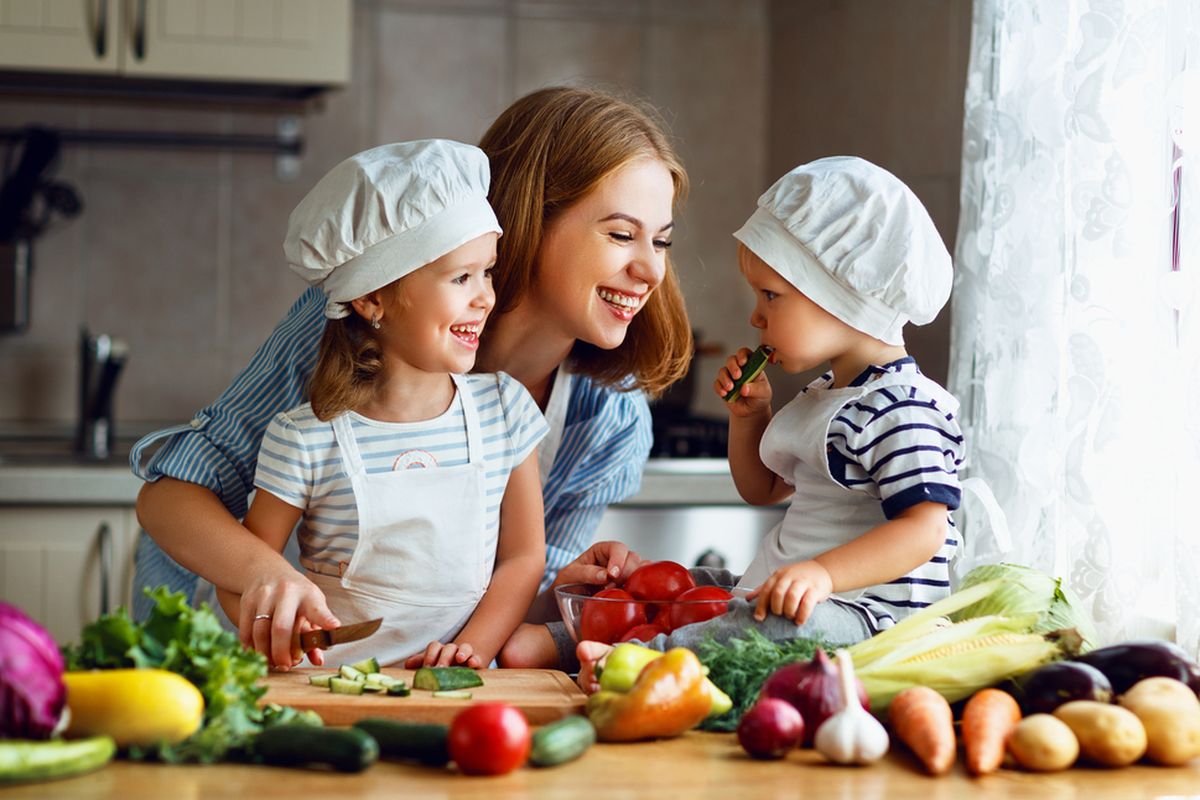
835,620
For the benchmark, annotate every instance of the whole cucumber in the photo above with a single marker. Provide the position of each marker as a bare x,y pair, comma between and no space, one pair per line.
562,741
291,745
22,761
426,743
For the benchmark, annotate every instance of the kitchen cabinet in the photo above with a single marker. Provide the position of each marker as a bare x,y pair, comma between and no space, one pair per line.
64,566
256,41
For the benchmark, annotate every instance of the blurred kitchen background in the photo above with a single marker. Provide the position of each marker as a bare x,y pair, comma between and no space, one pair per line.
178,252
187,134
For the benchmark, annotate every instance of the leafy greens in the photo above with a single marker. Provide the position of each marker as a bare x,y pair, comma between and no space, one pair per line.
191,642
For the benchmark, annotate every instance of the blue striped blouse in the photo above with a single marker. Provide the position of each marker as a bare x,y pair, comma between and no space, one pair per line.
605,442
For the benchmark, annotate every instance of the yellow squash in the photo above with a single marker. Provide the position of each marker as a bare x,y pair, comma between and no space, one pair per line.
133,706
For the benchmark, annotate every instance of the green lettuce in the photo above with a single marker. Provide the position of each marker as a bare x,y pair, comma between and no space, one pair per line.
1025,590
191,642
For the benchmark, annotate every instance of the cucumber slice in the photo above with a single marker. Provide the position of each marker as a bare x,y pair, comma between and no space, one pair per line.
346,686
367,666
399,689
453,694
350,673
373,687
379,679
446,678
753,367
320,680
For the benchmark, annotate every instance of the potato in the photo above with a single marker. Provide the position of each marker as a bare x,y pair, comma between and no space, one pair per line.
1108,735
1042,743
1170,713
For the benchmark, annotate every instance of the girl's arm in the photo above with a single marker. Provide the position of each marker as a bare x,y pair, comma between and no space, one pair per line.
520,557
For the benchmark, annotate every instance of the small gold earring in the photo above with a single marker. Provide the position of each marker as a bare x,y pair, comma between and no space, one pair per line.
375,321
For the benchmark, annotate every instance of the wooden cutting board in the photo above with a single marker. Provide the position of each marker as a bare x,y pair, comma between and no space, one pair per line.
544,695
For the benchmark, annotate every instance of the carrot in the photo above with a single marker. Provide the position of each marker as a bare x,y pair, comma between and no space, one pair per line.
987,722
922,719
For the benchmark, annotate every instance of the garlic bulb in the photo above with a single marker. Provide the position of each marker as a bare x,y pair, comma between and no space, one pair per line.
852,735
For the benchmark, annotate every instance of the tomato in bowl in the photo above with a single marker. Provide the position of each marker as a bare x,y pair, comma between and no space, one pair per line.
608,615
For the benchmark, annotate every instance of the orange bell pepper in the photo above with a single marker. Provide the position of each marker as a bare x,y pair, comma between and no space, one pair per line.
668,698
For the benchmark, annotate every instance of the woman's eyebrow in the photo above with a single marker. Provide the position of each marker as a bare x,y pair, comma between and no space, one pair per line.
637,223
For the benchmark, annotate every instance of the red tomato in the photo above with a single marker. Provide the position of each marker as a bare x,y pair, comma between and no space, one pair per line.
659,580
489,739
682,613
643,633
605,620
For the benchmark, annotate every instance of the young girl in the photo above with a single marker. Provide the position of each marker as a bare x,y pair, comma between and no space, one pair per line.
414,484
840,255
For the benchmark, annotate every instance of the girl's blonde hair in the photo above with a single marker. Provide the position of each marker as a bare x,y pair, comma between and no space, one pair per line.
348,362
548,150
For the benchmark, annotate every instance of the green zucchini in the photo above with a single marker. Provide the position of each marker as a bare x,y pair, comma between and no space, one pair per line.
446,678
453,694
22,761
753,367
409,741
562,741
367,666
346,686
288,745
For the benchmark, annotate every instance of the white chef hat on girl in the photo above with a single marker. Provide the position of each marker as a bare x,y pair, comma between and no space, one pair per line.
386,212
856,241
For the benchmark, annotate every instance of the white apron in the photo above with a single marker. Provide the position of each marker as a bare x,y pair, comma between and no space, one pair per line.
421,561
556,419
823,514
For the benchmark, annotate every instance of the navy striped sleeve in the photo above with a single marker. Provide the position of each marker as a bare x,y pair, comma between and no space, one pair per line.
901,447
220,448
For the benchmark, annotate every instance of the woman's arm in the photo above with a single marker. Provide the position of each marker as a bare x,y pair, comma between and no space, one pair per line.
520,556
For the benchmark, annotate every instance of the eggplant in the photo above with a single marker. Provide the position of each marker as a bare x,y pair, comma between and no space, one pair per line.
1129,662
1048,687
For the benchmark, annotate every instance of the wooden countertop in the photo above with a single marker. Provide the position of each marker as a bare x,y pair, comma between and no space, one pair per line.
698,764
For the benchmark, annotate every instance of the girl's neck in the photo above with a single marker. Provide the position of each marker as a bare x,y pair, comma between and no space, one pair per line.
406,394
526,347
851,364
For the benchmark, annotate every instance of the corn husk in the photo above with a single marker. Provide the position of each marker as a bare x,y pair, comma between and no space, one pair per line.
1025,590
955,659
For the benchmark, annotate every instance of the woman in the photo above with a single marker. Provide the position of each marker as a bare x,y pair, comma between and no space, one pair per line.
588,317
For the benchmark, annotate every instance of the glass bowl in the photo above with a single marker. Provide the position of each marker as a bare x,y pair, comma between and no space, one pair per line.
614,619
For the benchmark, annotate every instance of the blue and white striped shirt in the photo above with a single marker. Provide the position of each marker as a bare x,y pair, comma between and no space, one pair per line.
300,461
897,445
605,443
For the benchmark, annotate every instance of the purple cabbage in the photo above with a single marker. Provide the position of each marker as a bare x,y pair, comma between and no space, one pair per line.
32,692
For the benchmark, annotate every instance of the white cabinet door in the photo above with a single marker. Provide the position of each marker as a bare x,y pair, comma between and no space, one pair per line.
60,35
55,563
268,41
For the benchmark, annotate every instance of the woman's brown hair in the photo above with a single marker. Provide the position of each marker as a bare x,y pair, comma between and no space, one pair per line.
547,151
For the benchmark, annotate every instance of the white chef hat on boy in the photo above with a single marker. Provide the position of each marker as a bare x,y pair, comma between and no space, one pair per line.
386,212
856,241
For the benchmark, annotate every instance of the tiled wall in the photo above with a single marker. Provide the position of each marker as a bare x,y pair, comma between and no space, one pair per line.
179,253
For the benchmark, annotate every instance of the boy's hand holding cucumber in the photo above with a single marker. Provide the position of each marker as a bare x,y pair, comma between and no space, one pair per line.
742,383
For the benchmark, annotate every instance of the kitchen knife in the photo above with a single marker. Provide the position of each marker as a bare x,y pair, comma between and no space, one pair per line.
323,640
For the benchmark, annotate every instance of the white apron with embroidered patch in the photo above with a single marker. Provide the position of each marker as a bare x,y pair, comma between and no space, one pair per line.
421,561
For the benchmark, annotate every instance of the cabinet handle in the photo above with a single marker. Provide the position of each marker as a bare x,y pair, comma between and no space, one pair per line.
101,44
104,541
139,31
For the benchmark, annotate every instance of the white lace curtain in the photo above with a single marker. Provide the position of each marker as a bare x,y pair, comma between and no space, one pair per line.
1075,347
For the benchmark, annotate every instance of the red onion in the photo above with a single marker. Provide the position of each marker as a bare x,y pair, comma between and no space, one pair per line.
770,729
812,687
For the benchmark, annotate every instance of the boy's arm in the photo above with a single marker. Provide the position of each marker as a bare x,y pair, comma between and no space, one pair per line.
520,558
888,550
882,554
